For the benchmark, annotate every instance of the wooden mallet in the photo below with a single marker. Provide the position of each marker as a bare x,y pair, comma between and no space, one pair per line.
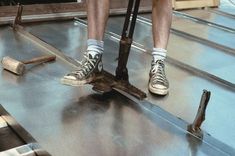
18,67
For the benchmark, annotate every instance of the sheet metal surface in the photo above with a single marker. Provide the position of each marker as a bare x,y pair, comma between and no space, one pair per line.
77,121
194,55
218,36
185,90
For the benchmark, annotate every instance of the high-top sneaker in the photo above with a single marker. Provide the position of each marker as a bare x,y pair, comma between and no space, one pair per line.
158,83
91,65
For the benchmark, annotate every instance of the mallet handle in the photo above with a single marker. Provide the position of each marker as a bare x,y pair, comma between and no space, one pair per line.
40,59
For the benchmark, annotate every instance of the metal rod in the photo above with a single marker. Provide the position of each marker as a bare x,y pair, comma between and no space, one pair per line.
195,127
133,20
126,40
18,16
127,18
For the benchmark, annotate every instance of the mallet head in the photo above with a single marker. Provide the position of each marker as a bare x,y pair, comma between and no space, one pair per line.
13,65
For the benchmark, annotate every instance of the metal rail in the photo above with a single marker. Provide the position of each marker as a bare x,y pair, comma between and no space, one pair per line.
219,12
205,22
22,134
158,112
46,47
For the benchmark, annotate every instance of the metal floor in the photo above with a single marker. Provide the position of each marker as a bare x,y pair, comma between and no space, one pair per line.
78,121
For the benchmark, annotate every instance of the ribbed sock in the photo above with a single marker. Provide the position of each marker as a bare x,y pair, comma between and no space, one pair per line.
159,54
95,47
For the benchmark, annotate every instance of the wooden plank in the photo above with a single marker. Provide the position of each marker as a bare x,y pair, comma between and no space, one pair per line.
42,9
61,11
187,4
62,16
54,8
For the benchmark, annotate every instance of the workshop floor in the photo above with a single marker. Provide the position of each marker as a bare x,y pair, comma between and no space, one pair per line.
78,121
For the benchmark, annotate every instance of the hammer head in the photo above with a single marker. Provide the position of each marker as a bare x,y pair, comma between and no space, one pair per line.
13,65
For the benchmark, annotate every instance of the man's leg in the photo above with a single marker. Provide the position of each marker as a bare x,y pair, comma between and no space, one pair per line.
161,19
97,14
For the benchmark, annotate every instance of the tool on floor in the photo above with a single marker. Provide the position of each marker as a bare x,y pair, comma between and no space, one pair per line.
18,67
106,81
194,128
18,17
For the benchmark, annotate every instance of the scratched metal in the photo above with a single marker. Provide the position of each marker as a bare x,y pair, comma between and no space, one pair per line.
77,121
185,90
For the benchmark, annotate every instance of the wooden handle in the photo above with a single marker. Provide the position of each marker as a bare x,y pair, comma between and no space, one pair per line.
40,59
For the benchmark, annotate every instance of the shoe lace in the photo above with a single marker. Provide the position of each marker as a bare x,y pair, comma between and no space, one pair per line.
158,72
87,64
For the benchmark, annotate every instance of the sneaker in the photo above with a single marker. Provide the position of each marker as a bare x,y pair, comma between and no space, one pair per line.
91,66
158,83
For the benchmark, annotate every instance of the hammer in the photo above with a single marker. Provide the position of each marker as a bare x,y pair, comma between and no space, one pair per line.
18,67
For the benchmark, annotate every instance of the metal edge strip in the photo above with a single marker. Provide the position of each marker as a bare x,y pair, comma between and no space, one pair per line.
22,133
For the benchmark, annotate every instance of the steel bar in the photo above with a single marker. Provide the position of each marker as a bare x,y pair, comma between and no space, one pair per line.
126,40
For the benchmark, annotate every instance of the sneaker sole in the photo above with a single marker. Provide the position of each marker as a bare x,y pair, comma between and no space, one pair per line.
158,91
75,83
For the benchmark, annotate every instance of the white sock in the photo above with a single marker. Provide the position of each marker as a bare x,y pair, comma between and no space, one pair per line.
159,54
95,47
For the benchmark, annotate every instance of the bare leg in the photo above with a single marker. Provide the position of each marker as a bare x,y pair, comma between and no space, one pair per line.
98,12
161,18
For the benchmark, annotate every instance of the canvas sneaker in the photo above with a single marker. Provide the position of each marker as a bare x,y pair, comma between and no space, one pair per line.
91,65
158,83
